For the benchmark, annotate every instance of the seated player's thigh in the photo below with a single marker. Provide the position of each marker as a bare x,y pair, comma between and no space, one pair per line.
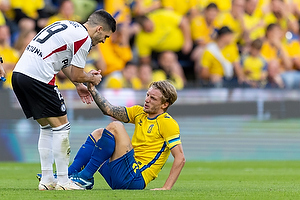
122,139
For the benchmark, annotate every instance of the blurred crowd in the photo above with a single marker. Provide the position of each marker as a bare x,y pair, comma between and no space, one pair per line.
191,43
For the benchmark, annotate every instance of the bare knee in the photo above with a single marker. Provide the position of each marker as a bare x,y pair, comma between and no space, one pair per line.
97,133
115,127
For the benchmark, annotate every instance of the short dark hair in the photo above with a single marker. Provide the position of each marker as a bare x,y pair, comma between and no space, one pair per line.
270,27
211,5
223,30
129,63
141,19
101,17
256,44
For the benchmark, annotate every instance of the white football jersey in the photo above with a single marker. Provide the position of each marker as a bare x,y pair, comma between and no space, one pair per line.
57,46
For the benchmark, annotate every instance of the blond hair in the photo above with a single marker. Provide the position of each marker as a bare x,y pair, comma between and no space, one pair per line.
168,91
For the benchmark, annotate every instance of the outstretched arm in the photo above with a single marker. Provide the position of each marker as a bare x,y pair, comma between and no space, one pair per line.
117,112
82,90
177,166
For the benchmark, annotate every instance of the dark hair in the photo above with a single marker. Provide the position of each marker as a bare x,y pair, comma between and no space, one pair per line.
270,27
211,5
129,63
141,19
222,31
101,17
256,44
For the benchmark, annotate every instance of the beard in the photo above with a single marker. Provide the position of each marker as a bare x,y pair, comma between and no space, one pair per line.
150,110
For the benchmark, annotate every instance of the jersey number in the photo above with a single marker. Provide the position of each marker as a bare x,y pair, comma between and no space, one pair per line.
51,30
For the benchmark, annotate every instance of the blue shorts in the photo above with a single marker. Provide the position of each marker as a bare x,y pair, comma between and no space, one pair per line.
123,173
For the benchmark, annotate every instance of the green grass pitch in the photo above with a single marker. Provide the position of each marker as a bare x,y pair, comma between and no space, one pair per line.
199,180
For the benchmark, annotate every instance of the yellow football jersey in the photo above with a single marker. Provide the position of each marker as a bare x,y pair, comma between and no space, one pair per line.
254,67
181,7
251,23
226,19
200,30
165,36
269,52
29,7
152,140
230,52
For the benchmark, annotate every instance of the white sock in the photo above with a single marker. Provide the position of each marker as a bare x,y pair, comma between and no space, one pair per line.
61,151
46,154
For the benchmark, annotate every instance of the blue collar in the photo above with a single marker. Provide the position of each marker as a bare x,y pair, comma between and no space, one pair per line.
154,117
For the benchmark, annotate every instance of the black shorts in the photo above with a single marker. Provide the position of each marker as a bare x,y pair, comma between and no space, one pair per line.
38,99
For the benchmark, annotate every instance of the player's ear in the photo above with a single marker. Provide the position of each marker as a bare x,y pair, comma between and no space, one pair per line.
165,105
99,29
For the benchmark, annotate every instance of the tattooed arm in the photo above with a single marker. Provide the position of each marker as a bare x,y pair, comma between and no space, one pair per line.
117,112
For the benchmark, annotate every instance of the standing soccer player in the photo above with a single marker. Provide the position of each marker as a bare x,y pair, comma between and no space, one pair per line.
63,45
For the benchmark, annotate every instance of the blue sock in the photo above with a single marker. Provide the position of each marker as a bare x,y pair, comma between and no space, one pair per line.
83,155
103,150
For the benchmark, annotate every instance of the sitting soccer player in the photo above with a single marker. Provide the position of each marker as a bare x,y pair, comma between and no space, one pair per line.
127,164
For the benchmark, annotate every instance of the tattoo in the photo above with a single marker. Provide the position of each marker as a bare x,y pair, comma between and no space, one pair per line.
117,112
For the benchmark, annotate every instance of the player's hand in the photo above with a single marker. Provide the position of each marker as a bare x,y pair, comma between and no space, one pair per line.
84,94
160,188
94,72
96,77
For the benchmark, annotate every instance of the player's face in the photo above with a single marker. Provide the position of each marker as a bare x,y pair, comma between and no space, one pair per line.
153,105
100,36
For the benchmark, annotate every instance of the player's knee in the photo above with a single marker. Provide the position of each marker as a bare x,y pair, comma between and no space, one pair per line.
97,133
115,127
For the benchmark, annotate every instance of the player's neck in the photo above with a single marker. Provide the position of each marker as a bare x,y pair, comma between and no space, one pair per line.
154,115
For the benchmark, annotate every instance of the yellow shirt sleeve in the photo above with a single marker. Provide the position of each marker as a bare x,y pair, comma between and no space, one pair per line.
169,129
132,112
